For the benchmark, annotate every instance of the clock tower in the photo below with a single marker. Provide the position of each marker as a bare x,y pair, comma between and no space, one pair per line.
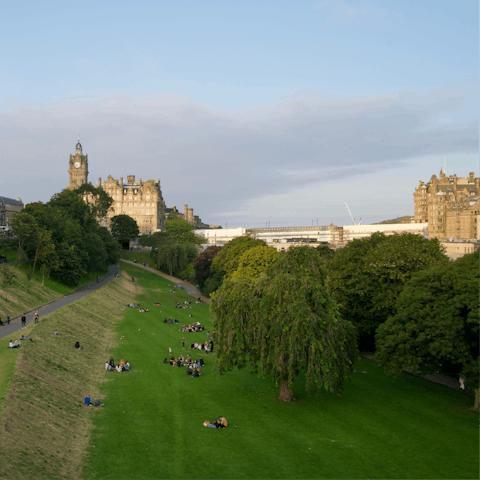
78,168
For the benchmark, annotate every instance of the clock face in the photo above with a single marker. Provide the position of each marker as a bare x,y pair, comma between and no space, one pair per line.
77,164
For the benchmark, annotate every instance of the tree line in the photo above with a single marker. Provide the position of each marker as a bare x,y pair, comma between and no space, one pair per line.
311,310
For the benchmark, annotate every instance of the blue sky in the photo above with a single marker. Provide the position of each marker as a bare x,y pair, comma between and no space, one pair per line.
248,111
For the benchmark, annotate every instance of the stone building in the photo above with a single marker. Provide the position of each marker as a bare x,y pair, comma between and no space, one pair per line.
187,215
438,202
143,201
8,208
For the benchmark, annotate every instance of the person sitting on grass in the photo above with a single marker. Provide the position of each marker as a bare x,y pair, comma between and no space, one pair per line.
118,368
24,337
196,372
126,368
200,360
78,346
87,400
56,333
14,344
111,362
122,363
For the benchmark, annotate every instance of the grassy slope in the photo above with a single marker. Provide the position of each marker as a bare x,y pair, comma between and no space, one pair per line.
381,427
44,428
141,257
22,299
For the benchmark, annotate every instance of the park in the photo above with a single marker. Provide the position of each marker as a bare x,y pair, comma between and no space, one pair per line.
151,422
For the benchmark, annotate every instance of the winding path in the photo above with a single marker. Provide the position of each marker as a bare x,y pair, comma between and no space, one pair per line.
15,323
189,288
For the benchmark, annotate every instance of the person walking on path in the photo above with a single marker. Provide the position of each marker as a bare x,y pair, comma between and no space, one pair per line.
24,321
183,342
36,317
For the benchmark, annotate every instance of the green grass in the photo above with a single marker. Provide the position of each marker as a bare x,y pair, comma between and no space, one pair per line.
10,254
44,426
381,427
141,257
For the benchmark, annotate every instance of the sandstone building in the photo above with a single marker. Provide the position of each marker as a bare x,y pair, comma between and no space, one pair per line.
8,208
449,205
141,200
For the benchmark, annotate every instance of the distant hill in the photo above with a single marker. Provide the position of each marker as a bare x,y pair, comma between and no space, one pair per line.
405,219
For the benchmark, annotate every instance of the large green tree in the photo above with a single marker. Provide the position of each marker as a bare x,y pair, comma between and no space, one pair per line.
174,257
96,199
436,325
124,228
254,262
227,260
180,231
285,324
203,265
366,277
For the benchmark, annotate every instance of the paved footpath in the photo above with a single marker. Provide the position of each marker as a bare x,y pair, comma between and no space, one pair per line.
61,302
189,288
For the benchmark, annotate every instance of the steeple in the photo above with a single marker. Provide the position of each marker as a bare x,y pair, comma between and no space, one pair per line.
78,148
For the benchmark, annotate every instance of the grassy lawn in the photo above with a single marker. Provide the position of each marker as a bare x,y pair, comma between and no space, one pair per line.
141,257
151,426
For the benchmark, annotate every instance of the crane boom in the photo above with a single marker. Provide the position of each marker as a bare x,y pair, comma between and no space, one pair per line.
353,219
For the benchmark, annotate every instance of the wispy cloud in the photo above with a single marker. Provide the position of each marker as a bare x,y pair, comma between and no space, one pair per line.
218,161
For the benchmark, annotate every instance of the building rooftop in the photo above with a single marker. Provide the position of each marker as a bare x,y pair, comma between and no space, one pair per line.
18,201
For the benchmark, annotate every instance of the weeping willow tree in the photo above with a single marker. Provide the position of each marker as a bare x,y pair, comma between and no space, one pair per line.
283,324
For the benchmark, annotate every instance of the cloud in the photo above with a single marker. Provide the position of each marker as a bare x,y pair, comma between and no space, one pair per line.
219,161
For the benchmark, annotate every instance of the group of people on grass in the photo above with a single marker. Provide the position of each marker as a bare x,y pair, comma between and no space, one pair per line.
193,327
192,366
122,366
205,347
183,305
170,320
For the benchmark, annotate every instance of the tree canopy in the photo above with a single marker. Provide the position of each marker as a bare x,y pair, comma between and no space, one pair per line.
180,231
284,324
367,276
227,260
203,264
97,199
254,262
124,228
435,325
64,238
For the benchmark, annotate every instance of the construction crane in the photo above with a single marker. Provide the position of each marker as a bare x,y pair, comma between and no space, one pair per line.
353,219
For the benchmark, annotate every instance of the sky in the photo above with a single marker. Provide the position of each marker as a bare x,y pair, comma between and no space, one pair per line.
249,112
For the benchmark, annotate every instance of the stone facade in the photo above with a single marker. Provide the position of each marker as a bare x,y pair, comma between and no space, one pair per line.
8,208
447,199
188,215
143,201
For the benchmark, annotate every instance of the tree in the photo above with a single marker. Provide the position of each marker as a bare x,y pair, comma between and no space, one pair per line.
181,231
71,267
24,227
254,262
29,274
435,325
285,324
203,264
44,246
111,246
227,260
96,198
174,257
43,272
97,254
366,277
124,228
326,252
8,277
